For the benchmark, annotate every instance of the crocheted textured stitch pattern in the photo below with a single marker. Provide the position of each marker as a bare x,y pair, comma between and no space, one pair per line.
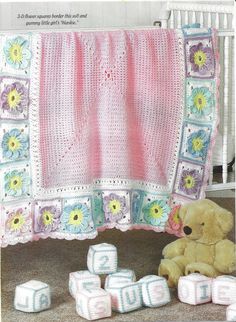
104,129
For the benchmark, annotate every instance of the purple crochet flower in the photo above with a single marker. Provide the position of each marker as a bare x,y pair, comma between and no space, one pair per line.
190,181
18,222
201,58
15,98
114,207
48,219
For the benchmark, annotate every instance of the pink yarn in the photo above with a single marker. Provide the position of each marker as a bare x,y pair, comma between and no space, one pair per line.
110,106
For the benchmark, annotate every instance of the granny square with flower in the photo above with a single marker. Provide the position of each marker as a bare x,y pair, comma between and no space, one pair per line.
103,129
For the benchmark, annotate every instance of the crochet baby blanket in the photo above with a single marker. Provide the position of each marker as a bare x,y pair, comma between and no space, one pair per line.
103,129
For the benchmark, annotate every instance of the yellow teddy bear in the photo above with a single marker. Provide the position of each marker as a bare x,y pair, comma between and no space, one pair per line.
204,248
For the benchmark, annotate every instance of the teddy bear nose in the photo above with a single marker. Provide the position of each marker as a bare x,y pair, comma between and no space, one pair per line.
187,230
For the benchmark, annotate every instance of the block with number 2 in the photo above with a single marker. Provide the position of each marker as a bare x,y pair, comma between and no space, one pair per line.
102,259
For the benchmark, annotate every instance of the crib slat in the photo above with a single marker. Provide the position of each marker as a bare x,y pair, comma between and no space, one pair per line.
179,19
226,101
217,20
225,21
201,19
209,19
233,87
186,17
172,18
194,18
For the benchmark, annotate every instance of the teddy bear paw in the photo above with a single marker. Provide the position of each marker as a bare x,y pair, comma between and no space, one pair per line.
170,271
201,268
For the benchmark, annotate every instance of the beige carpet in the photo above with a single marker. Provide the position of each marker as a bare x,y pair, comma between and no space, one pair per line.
51,261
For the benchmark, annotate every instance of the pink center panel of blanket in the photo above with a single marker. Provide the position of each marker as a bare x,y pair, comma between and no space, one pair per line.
110,106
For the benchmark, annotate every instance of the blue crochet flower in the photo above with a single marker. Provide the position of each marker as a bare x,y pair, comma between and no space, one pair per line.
201,101
17,52
15,145
75,218
198,144
156,213
16,183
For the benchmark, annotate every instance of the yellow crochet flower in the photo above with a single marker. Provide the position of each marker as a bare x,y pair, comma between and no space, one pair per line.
114,206
189,182
200,58
15,53
156,211
15,183
197,144
13,143
47,217
76,217
13,99
200,101
17,221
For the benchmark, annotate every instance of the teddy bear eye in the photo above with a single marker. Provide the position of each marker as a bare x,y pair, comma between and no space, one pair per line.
203,224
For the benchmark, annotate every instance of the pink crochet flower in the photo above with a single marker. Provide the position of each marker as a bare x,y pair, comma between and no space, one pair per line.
174,219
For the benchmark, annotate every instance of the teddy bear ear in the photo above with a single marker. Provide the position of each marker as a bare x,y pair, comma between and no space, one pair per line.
224,219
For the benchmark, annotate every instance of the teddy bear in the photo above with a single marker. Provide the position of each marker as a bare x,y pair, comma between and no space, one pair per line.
204,248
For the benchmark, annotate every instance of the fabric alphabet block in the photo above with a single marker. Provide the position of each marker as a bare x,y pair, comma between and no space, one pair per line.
224,290
231,312
93,304
155,291
83,280
102,259
120,277
125,297
194,289
32,296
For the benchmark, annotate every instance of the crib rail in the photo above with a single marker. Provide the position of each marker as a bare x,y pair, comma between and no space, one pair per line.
220,17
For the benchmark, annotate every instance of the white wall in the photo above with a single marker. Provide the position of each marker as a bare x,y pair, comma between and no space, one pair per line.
99,14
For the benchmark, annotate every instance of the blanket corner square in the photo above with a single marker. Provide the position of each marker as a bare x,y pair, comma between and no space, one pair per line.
199,57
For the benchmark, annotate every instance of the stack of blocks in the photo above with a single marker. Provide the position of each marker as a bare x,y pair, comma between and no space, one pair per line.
122,293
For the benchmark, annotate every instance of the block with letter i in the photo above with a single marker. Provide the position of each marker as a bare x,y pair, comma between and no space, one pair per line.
194,289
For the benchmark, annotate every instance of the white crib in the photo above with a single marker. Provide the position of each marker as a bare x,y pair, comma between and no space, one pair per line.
220,17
